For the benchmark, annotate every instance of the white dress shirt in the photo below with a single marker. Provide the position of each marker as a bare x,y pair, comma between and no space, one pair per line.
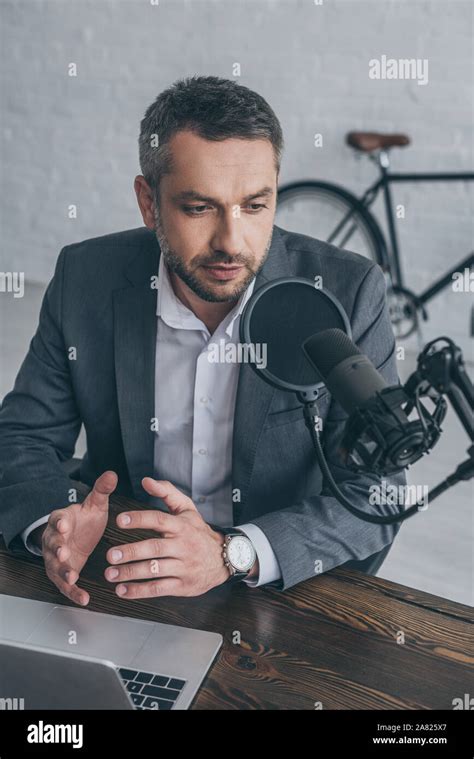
194,407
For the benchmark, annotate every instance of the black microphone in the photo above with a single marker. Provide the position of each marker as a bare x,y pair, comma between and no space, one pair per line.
379,437
347,373
306,332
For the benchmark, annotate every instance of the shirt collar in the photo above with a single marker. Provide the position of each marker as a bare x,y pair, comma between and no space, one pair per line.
175,314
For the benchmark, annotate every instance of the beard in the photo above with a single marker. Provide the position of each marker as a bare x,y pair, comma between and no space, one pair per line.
189,274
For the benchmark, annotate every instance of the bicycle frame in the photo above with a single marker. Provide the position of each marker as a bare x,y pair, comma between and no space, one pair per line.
383,184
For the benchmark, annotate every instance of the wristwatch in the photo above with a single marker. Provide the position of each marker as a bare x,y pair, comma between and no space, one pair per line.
238,553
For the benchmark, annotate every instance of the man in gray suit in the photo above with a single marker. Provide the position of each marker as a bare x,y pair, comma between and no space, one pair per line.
123,347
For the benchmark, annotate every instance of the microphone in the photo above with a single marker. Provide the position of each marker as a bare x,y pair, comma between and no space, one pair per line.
307,336
380,437
347,373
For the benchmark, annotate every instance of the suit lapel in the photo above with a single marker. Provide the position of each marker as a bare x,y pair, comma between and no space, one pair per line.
135,346
254,395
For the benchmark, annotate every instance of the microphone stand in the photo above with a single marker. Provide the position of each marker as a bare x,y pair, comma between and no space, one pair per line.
443,370
440,372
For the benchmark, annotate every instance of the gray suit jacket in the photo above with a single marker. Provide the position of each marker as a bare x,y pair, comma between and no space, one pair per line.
100,303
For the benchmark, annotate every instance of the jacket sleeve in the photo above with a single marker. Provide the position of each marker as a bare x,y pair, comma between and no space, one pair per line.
39,423
317,533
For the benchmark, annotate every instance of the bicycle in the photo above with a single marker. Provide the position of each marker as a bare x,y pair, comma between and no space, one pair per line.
344,219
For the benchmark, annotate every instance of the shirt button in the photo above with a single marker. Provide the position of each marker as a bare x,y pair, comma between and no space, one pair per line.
202,451
203,399
201,499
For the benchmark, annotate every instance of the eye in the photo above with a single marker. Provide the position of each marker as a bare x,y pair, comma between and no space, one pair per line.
200,210
256,207
195,210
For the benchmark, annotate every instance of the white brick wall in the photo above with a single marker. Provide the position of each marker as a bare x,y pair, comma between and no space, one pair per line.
73,140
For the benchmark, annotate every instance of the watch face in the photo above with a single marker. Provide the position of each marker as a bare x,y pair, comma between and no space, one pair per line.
241,553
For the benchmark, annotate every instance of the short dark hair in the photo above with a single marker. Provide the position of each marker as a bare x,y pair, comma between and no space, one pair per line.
211,107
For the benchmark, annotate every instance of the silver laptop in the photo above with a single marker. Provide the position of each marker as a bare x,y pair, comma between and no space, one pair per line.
62,657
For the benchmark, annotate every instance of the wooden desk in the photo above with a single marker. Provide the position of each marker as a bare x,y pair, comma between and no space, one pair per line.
330,640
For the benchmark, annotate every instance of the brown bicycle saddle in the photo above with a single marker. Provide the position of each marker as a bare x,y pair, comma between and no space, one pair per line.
368,141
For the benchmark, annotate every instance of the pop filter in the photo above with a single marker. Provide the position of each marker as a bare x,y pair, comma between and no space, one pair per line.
280,316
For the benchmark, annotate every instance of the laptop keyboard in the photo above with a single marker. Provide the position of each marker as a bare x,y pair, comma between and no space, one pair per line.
150,691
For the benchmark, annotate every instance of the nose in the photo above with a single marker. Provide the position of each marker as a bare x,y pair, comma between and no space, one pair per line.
228,236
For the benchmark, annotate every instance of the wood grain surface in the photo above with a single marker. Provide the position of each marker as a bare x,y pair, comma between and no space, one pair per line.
331,642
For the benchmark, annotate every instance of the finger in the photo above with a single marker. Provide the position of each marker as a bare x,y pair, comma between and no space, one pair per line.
171,586
70,575
65,571
59,566
149,519
75,594
103,486
153,548
63,553
57,554
60,521
175,500
55,545
144,570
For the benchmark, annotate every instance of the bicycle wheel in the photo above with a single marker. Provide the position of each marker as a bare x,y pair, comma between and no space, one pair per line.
332,214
